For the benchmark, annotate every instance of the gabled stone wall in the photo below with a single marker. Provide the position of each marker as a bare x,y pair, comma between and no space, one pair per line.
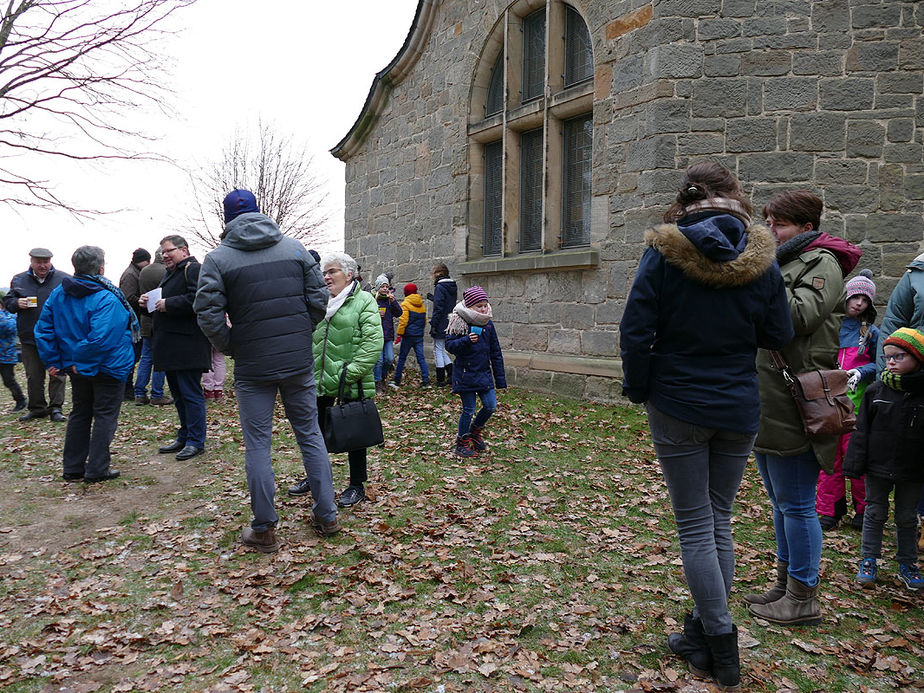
822,95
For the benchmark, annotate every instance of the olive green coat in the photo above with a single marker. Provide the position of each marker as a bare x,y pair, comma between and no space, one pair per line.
353,335
815,289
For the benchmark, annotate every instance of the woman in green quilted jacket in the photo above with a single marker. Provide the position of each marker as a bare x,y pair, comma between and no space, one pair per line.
349,336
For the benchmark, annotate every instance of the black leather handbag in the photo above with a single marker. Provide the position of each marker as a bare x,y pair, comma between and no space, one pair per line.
352,424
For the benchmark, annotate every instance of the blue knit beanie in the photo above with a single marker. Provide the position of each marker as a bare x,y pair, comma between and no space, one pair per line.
239,202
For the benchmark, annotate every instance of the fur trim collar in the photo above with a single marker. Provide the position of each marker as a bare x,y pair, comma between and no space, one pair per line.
758,255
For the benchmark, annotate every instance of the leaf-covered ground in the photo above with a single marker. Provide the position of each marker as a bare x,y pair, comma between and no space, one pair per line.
548,564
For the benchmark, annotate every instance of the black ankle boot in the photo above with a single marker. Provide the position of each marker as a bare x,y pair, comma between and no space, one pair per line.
440,376
691,645
726,666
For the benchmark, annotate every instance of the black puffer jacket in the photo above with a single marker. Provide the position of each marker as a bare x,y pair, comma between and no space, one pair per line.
273,293
889,440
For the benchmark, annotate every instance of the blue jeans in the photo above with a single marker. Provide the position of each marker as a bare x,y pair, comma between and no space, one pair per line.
791,483
190,406
145,364
415,343
387,356
702,468
488,406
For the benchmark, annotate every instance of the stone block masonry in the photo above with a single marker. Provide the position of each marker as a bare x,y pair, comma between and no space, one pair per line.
824,95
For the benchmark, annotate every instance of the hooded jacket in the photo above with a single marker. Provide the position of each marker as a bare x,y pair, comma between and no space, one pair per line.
707,294
413,317
85,326
906,305
353,337
8,353
444,300
814,278
27,284
274,295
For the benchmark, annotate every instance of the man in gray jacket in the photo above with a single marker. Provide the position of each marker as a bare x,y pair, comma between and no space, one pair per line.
272,291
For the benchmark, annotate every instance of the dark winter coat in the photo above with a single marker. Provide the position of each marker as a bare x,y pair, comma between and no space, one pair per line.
444,300
814,279
478,367
707,294
86,327
389,310
129,286
26,284
889,440
178,342
274,295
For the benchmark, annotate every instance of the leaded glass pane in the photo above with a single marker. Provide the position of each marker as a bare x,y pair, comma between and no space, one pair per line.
531,190
495,102
578,144
533,55
493,198
578,51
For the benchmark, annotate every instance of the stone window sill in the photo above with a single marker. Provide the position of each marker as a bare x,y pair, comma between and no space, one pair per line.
584,258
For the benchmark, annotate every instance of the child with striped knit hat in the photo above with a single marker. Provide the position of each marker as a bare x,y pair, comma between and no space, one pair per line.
887,448
478,369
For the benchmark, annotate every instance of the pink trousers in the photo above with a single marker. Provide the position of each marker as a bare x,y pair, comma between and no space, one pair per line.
831,486
215,378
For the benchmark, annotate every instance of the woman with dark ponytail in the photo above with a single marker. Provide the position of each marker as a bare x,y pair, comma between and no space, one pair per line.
707,294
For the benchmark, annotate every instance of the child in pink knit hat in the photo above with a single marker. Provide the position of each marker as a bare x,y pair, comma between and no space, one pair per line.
479,367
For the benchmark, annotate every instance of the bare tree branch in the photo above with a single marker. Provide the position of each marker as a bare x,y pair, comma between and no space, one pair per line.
278,171
72,75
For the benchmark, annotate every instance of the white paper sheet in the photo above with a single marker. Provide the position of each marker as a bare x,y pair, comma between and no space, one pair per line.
153,298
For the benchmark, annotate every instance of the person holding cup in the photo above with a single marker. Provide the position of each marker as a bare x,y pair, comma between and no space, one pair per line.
28,292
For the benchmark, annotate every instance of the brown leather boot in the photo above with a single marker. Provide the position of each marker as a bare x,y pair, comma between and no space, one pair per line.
265,542
325,529
776,591
798,607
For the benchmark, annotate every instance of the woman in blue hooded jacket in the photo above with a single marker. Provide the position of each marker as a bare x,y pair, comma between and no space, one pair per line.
707,294
85,331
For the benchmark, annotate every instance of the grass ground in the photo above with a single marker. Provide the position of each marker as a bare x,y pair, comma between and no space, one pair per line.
550,563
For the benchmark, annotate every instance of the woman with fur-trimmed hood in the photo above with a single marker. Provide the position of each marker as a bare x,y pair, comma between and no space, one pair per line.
707,295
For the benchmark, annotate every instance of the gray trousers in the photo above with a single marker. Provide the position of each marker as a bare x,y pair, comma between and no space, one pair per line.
256,401
703,468
35,383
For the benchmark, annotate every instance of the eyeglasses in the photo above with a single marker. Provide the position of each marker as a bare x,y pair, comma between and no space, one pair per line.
164,251
329,272
898,357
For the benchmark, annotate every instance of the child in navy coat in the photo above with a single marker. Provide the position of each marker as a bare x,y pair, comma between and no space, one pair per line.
479,366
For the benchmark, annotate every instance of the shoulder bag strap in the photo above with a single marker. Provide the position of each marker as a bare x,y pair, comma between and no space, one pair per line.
780,362
341,388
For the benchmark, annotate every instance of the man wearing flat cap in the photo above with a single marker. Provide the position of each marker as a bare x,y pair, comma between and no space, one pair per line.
129,285
28,292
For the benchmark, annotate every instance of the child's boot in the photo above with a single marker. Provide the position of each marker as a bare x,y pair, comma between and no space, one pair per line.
477,441
449,374
440,376
911,576
866,575
464,447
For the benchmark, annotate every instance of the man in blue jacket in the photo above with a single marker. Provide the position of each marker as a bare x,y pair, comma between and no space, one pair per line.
86,331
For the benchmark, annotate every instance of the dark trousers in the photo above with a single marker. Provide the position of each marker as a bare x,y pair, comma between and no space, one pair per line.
92,424
129,381
357,458
189,400
906,498
9,379
35,383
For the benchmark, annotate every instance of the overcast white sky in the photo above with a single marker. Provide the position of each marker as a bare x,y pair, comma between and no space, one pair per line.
306,67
